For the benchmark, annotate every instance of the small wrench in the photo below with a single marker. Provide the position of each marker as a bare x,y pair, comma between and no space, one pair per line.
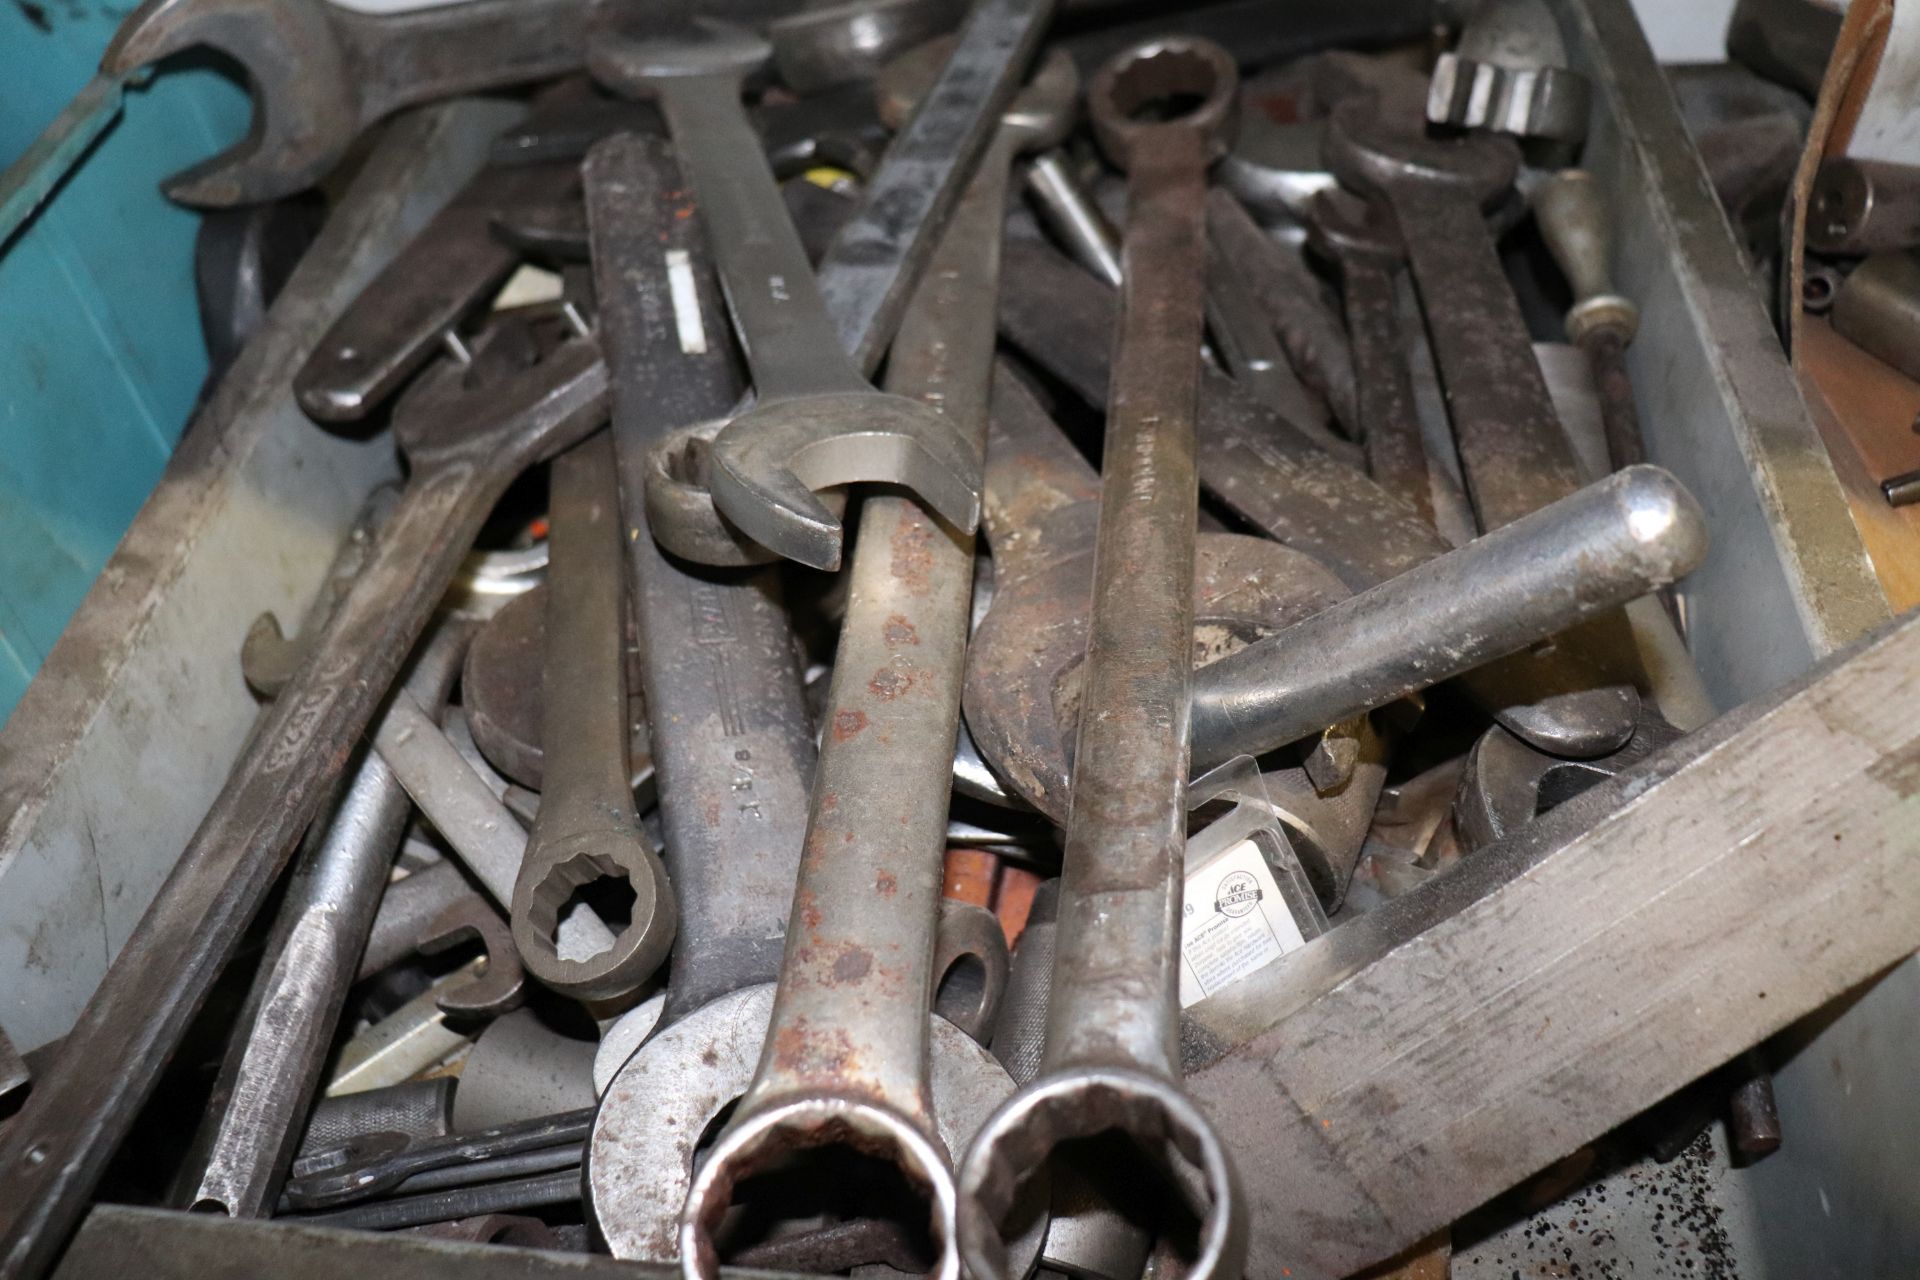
1110,1059
588,831
846,1055
817,422
466,446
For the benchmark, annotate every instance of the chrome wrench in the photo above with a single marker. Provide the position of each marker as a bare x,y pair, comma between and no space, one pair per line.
1110,1059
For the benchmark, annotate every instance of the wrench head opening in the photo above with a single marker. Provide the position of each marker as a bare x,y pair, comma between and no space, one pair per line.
1341,225
1041,115
1170,83
766,464
306,103
1063,1106
598,868
680,511
636,67
839,43
765,1135
1372,147
638,1170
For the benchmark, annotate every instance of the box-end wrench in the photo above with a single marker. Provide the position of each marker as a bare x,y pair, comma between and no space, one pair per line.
462,460
1110,1059
845,1062
817,422
1579,698
588,834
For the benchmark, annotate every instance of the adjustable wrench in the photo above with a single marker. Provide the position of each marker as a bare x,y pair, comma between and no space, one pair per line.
817,421
1580,699
846,1056
465,446
588,831
1110,1060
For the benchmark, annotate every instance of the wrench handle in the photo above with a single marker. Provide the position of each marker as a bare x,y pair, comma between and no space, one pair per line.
783,323
1113,998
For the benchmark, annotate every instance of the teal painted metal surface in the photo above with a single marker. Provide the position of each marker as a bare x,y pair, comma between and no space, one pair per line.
102,358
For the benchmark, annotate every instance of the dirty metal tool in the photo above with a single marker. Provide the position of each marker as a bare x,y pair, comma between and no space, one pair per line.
1509,74
1573,221
1586,554
1863,207
386,1162
294,1006
846,1056
1111,1058
1025,663
825,45
1579,698
1878,309
501,986
407,908
733,737
1366,247
322,73
1507,784
466,445
817,422
588,831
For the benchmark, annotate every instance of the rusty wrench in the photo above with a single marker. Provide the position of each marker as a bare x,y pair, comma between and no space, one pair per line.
1110,1059
846,1053
464,454
817,421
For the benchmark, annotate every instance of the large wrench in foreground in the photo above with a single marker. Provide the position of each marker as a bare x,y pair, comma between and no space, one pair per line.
1110,1059
845,1061
462,461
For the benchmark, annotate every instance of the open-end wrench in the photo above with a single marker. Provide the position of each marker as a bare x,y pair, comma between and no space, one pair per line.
846,1055
296,1000
1110,1060
817,422
588,830
1580,697
465,447
321,73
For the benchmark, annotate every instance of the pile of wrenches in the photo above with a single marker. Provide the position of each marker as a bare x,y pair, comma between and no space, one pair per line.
684,802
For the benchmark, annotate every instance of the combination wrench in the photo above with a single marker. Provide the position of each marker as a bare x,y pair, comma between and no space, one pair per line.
732,735
816,422
588,831
462,460
1110,1058
845,1061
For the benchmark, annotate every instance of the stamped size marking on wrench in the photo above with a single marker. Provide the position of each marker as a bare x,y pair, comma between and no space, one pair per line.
817,422
1111,1028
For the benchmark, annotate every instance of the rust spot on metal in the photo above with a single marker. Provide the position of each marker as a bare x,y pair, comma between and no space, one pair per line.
847,724
800,1050
900,630
854,964
809,910
886,885
912,543
889,684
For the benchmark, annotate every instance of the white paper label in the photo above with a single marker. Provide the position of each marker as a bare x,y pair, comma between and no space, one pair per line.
685,291
1234,922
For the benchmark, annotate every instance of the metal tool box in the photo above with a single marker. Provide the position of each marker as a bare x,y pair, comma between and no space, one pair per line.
116,748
